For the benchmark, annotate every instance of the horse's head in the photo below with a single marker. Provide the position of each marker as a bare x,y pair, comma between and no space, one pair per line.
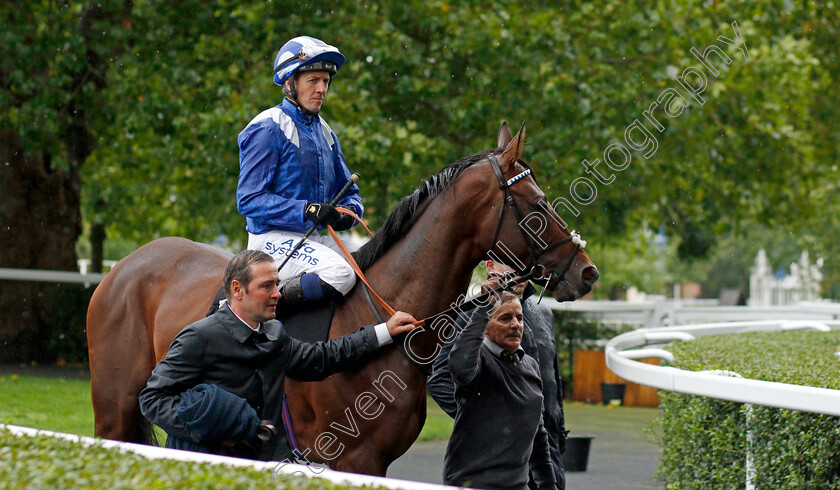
523,230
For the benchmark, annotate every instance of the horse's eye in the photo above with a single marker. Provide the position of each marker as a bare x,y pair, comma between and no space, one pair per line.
535,206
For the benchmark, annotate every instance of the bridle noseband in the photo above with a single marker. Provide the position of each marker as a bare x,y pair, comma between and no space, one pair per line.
534,269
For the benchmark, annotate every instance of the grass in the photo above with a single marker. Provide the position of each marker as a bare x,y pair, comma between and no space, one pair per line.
438,425
63,405
607,419
57,404
624,429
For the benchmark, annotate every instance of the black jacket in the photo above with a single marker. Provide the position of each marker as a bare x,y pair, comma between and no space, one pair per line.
221,350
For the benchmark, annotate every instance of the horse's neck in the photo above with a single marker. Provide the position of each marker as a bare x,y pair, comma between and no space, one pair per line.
427,271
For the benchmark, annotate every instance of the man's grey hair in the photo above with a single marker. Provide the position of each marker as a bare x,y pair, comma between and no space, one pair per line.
239,268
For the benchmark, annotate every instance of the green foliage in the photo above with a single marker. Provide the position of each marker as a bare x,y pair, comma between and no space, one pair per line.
704,440
633,261
728,265
46,462
429,82
800,358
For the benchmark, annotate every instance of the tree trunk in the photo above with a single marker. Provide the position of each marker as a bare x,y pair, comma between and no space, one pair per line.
40,221
97,247
40,215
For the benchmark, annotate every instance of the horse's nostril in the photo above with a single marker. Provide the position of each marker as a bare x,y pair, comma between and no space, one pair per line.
590,275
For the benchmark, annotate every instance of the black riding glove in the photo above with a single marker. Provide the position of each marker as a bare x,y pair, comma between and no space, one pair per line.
322,214
345,222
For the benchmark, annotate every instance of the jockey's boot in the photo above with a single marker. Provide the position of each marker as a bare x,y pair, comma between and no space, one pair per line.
305,288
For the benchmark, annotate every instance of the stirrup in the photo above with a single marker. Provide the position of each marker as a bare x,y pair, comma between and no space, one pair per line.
291,292
307,287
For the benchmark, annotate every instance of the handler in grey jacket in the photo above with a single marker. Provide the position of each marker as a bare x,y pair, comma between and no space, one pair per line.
538,342
498,424
243,351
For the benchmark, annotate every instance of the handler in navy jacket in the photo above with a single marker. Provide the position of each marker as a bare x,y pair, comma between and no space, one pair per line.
224,373
499,428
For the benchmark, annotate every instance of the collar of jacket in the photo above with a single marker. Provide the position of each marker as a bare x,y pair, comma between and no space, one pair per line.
242,332
296,114
497,349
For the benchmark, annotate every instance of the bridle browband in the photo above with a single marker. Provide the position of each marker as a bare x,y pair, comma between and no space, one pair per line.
534,269
533,272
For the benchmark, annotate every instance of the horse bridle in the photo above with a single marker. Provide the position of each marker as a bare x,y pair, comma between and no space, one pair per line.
536,271
533,272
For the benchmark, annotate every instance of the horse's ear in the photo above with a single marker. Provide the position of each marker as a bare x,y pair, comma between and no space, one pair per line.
504,136
513,150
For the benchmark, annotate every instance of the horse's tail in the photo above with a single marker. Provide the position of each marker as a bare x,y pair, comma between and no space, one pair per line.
145,433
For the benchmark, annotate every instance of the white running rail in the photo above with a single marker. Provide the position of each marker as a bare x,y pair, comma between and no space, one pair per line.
622,350
49,276
668,312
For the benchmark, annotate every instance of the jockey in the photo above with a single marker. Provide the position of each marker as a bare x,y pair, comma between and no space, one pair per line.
291,168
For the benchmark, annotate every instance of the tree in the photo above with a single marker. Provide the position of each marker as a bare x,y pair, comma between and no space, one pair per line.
52,74
137,106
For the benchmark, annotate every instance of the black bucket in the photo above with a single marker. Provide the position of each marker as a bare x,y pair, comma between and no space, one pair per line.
612,391
576,456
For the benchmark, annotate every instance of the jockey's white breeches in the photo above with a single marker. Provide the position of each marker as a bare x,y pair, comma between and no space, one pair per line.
319,255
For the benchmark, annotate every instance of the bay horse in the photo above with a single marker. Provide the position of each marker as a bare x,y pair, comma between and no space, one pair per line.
420,261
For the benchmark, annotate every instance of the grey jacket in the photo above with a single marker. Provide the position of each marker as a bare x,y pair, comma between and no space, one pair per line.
499,434
538,342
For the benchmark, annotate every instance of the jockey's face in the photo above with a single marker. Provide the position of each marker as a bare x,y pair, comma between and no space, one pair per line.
312,87
255,302
505,326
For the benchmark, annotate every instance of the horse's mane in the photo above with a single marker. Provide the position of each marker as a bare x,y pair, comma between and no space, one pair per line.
403,215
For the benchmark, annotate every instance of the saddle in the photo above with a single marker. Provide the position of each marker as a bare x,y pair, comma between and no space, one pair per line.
307,322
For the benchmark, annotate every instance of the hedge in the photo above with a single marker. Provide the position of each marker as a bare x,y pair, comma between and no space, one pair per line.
704,440
47,462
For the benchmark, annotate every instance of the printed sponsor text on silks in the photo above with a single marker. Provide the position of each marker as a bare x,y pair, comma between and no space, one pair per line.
302,255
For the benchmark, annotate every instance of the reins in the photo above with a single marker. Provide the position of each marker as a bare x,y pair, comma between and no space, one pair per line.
481,299
534,271
355,266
